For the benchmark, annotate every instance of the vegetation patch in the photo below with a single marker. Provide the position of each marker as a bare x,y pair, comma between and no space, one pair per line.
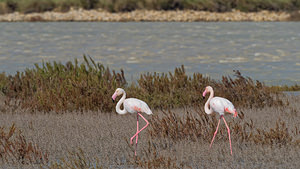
27,6
89,86
294,87
74,160
202,126
15,148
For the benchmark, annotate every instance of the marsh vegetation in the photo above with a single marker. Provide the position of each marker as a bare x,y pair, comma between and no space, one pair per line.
61,115
28,6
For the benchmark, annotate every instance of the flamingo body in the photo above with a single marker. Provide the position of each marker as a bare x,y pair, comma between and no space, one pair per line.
132,105
219,105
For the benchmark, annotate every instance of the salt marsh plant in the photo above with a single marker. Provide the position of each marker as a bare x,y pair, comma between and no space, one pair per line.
15,148
194,127
177,89
89,86
58,87
74,160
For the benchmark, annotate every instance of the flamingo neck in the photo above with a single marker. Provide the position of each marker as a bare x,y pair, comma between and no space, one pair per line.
119,111
207,109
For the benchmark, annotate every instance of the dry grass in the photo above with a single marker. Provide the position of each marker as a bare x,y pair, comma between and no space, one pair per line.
294,87
202,126
95,138
15,148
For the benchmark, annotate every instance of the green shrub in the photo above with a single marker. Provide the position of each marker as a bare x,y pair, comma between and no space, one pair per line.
4,8
29,6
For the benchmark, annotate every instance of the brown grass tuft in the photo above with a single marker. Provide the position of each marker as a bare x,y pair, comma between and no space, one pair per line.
15,148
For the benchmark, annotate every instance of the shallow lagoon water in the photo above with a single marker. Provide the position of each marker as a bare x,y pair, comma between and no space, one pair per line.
266,51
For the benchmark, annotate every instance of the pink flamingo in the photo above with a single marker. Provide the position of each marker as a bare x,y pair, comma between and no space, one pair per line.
132,105
219,105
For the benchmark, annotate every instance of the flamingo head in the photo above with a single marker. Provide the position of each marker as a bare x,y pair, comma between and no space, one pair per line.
207,90
118,92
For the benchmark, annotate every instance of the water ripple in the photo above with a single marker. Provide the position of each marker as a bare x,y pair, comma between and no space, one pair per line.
267,51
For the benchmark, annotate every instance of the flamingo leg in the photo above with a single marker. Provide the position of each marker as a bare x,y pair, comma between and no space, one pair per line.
228,134
139,130
215,133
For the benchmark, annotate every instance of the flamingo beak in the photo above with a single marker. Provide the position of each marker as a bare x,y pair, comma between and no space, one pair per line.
114,97
204,93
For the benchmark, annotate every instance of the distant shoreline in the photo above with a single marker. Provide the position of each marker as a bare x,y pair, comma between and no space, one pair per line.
150,16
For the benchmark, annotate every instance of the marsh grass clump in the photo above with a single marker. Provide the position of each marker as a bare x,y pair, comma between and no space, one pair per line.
176,127
245,92
179,90
152,158
200,126
58,87
15,148
171,90
294,87
74,160
275,136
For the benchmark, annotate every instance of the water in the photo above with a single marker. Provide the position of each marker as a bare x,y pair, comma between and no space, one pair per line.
266,51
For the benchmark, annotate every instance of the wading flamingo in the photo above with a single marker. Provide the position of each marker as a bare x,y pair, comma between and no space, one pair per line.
219,105
132,105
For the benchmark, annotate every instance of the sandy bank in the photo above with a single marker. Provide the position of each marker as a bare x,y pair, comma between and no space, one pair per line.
144,15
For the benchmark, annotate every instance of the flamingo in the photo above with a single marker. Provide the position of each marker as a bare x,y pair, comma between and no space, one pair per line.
132,105
219,105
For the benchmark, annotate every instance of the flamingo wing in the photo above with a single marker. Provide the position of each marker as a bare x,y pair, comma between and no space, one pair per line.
133,105
221,105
